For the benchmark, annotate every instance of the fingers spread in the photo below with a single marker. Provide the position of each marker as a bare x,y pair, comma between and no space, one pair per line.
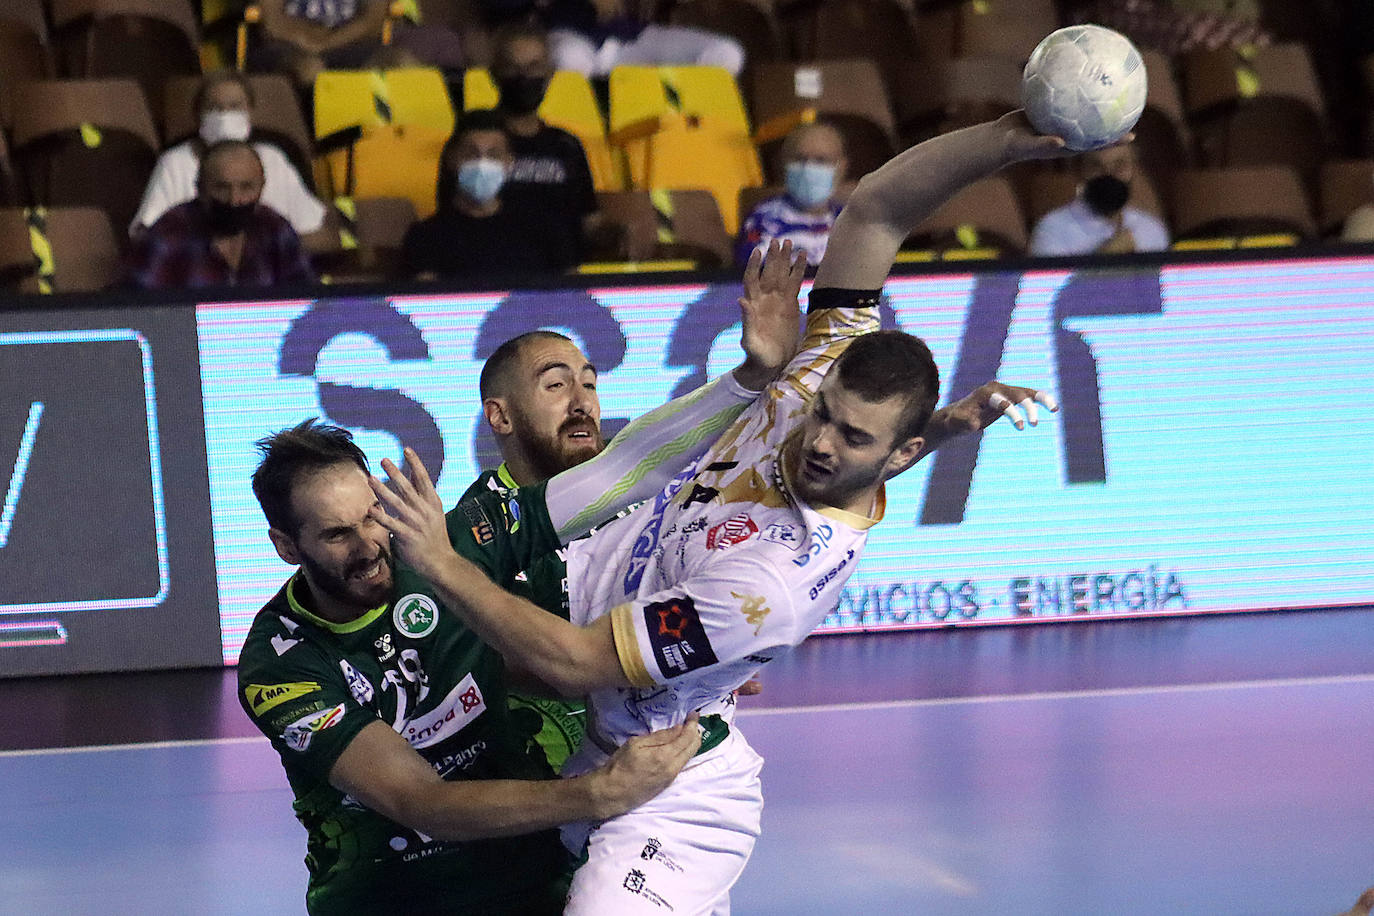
1044,397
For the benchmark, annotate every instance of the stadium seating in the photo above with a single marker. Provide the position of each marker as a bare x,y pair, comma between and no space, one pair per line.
983,220
63,249
1240,203
146,40
670,225
25,51
1345,185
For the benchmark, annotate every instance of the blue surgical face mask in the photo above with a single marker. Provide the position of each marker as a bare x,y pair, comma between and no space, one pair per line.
810,183
481,179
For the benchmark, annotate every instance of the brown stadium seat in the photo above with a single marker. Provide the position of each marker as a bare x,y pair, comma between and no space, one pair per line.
1252,201
25,50
984,215
846,93
1257,108
1163,139
752,24
85,143
277,115
1346,184
64,249
1009,28
668,225
977,89
145,40
882,31
366,243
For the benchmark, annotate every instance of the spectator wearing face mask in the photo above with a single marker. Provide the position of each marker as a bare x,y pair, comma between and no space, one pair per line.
815,167
475,230
550,168
1098,220
224,107
222,237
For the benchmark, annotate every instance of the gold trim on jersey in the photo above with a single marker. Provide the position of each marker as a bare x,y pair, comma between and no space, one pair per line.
352,626
627,646
844,516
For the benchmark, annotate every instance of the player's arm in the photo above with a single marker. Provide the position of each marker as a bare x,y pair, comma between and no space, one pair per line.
893,200
379,769
653,448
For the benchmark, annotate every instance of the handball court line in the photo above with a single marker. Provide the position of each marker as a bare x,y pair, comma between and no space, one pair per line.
1097,693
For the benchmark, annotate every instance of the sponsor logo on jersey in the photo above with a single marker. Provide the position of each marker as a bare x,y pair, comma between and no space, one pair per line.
636,884
416,615
634,881
816,545
463,704
698,524
385,650
300,733
753,609
359,686
700,494
262,697
644,545
483,531
677,637
733,531
651,848
834,571
782,534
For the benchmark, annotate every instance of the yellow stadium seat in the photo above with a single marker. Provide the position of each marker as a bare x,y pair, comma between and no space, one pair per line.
398,160
646,100
570,104
370,98
682,157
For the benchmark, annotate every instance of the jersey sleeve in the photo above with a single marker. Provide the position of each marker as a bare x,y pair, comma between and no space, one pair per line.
301,702
833,319
503,531
742,608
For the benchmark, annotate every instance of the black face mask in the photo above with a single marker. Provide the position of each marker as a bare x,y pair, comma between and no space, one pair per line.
228,219
522,95
1106,194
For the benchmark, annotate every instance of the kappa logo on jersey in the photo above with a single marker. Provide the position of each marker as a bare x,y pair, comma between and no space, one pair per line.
816,545
300,733
483,531
262,697
731,532
648,535
785,535
385,650
463,704
359,686
678,639
753,609
416,615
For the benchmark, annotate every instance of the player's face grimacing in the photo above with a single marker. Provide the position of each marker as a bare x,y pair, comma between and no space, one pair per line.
344,555
846,448
554,411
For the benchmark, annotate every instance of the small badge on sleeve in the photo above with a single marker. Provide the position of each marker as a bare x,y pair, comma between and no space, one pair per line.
677,636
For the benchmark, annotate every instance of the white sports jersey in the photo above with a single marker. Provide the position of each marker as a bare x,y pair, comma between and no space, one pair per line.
724,570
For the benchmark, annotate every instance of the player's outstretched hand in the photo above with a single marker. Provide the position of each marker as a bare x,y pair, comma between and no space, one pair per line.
643,767
985,406
1023,142
771,318
414,515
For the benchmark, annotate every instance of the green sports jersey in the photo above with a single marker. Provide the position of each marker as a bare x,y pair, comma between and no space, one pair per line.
557,726
311,686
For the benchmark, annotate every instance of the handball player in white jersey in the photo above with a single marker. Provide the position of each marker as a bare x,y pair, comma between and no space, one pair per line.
744,553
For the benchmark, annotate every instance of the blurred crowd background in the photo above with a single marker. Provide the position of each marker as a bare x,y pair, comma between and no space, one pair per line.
176,144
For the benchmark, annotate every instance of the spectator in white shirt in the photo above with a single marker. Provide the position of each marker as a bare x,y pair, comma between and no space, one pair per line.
1099,221
224,105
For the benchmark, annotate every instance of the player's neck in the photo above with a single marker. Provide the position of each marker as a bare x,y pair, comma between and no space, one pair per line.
319,603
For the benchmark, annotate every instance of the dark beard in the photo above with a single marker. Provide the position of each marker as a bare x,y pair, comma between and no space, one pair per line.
552,455
337,587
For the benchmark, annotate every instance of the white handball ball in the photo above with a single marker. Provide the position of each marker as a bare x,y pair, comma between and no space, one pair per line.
1086,84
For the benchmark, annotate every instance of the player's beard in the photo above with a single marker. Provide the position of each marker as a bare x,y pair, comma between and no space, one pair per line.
838,487
343,588
550,455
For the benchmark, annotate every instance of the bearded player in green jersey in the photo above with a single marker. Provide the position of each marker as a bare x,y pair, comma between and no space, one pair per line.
390,716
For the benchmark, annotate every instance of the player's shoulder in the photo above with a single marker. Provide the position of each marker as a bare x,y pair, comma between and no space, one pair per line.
277,641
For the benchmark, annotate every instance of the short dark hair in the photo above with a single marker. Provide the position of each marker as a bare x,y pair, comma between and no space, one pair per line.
514,31
213,79
495,377
880,365
291,454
